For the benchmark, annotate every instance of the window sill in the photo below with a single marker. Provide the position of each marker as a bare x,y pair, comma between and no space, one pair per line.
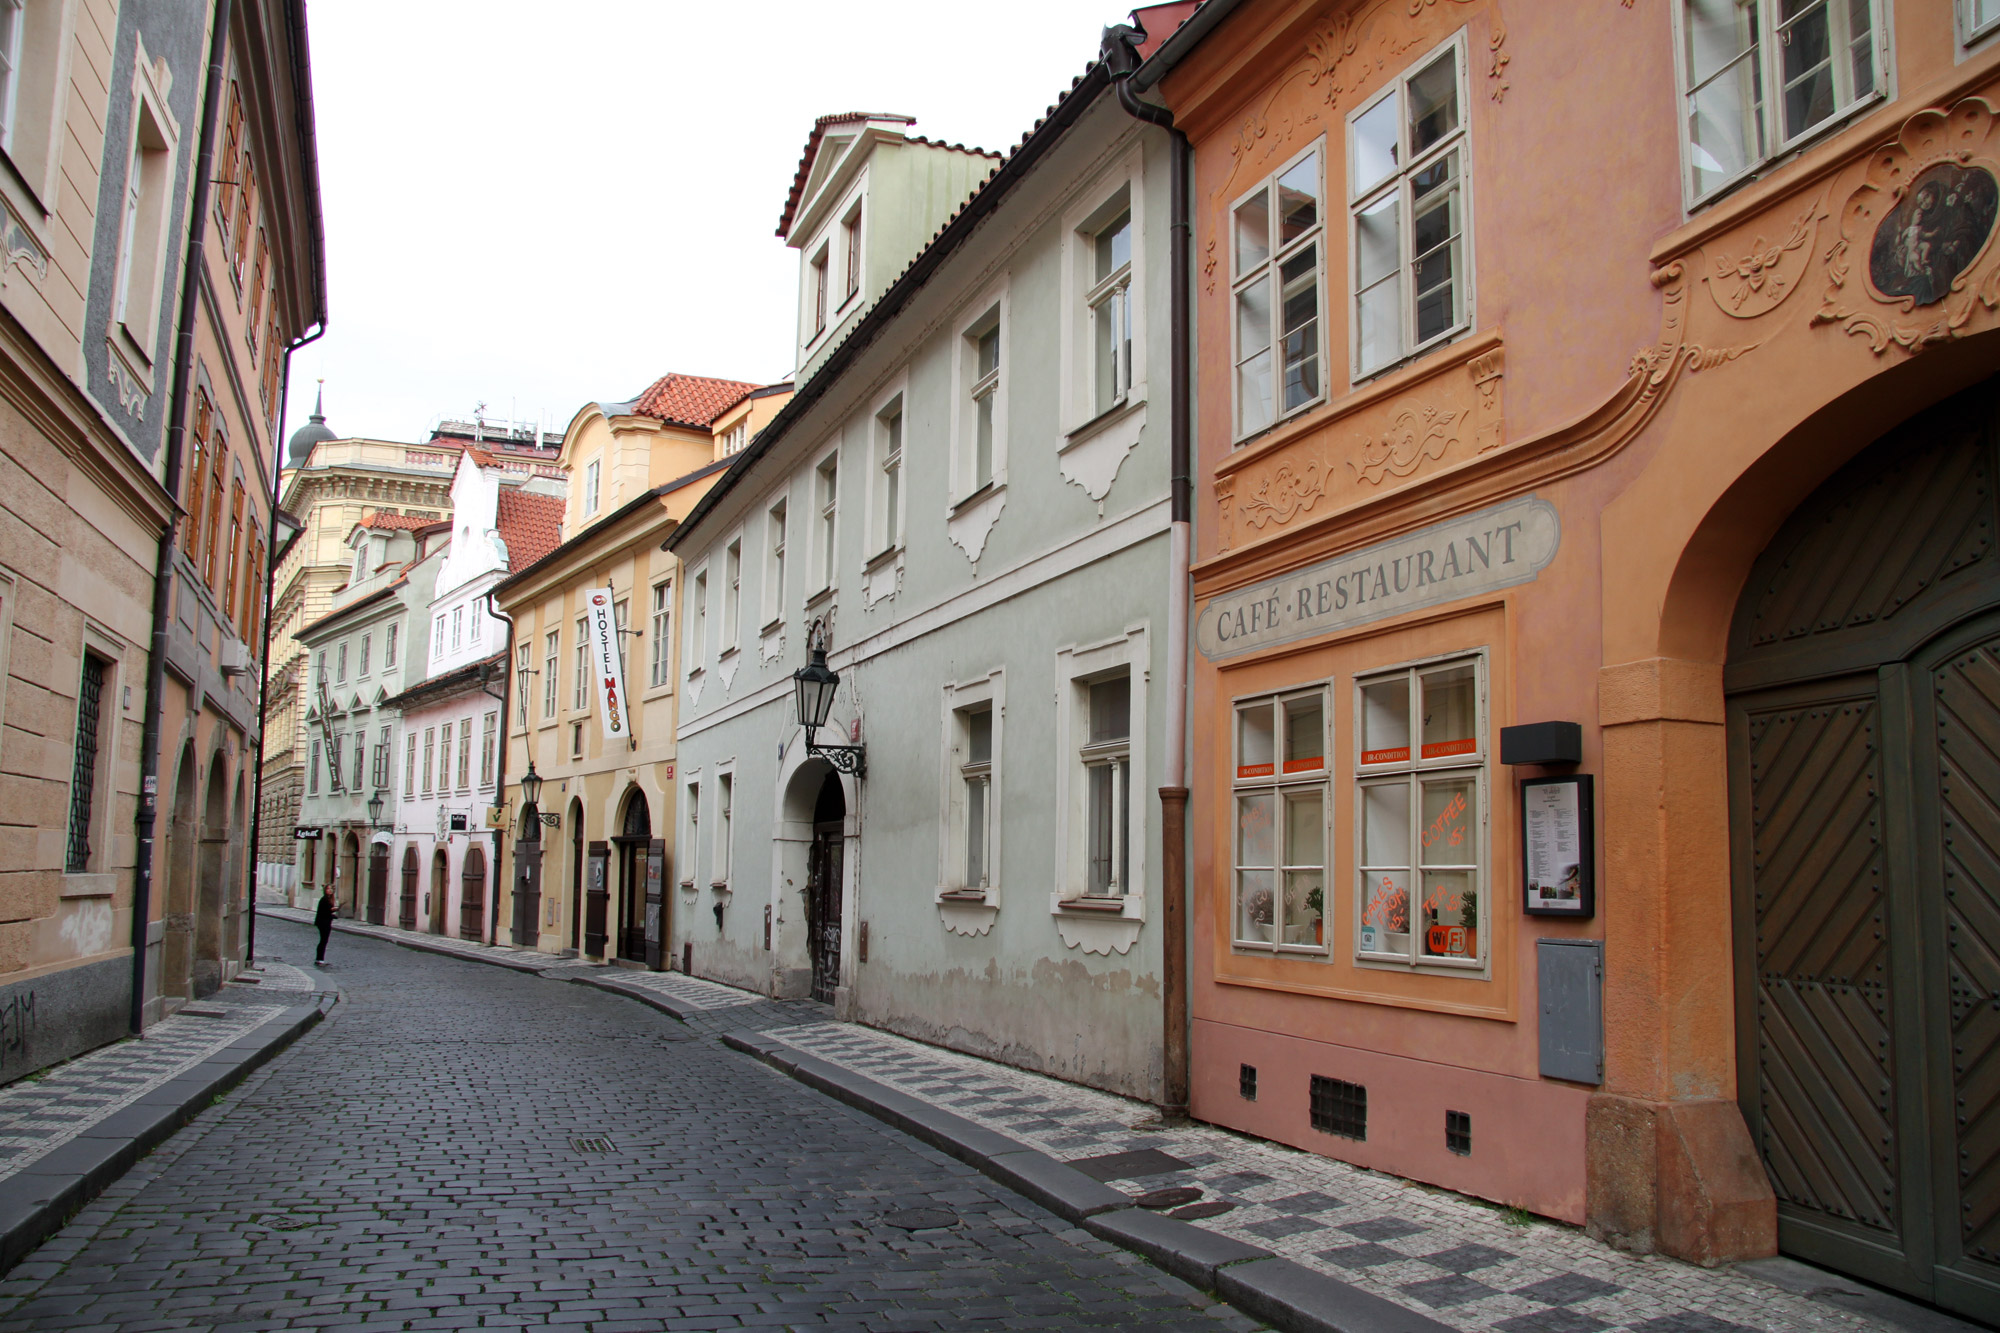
687,886
728,654
986,492
774,625
1134,401
718,886
86,884
1103,906
966,897
819,600
882,558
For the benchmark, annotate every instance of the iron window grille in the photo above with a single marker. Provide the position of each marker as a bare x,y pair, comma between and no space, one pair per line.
1340,1108
1458,1132
83,778
1246,1082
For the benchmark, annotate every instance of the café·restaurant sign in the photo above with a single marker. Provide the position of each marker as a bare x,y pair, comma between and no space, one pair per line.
1475,553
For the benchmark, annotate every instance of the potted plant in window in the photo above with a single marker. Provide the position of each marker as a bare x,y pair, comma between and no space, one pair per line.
1258,905
1468,916
1316,904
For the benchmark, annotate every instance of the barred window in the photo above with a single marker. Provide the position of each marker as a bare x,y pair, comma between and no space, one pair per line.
83,775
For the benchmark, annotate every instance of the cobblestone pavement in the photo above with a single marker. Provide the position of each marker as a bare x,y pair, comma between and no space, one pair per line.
47,1109
461,1147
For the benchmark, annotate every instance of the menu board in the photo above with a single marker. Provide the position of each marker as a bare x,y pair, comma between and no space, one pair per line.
1558,862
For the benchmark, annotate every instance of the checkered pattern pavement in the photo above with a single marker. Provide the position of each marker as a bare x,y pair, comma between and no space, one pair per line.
1462,1262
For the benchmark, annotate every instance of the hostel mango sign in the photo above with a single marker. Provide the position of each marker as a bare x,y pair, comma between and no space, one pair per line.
607,662
1467,556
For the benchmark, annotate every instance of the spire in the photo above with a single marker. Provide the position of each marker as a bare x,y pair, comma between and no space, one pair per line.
313,432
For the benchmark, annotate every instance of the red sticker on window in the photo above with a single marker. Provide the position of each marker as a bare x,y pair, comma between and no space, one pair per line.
1439,749
1396,756
1304,765
1254,770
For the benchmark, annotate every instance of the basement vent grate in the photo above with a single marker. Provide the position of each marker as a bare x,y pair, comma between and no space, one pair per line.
1246,1082
592,1145
1339,1108
1458,1132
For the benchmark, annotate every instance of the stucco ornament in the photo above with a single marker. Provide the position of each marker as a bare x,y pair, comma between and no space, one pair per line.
1287,491
1920,227
1757,282
1415,434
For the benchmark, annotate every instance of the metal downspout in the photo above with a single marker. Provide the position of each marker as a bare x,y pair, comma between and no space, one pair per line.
1121,59
163,569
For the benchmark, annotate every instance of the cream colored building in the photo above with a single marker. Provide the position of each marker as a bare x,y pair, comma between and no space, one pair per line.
635,469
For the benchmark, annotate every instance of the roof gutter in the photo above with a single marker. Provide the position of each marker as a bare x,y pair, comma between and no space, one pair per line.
981,206
1184,39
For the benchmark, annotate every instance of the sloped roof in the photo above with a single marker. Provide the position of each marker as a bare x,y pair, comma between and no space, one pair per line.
688,400
376,521
531,525
813,140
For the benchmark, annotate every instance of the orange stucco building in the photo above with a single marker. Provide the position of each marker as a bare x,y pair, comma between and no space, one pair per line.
1623,366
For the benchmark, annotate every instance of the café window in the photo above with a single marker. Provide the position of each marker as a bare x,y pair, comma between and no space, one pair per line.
1420,796
1281,822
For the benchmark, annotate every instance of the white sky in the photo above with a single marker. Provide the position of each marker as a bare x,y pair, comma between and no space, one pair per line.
539,214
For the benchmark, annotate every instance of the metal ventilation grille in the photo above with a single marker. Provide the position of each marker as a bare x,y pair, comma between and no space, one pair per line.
1246,1082
1458,1132
1339,1108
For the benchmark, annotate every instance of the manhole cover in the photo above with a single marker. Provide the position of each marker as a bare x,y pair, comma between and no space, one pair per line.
921,1219
282,1222
1195,1212
1172,1198
592,1145
1125,1165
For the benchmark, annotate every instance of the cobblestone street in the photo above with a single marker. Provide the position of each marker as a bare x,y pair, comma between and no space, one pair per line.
464,1146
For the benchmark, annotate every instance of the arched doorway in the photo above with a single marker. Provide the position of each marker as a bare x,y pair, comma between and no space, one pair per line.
472,895
635,834
350,857
378,883
440,884
406,915
1863,687
212,892
177,938
824,869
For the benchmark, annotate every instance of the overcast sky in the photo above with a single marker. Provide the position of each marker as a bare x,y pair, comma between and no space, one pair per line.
537,214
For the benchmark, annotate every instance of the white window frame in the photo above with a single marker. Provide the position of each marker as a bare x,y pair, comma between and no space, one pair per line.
389,648
1077,668
719,860
457,628
593,479
312,770
826,521
489,744
340,663
732,595
1120,190
142,248
1768,114
378,766
523,669
660,671
989,313
1269,271
579,698
465,754
367,642
430,745
697,622
1477,765
852,253
777,519
819,291
1280,784
437,640
691,828
37,105
888,489
956,776
410,767
1398,184
551,672
1970,31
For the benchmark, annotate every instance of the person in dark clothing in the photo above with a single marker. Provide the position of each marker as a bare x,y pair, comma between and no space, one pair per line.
324,920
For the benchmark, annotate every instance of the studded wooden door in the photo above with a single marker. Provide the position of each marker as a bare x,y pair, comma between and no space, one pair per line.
823,874
1864,722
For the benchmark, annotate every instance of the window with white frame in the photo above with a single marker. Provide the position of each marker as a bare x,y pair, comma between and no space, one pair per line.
457,628
826,492
312,771
1278,248
983,444
367,642
850,245
725,784
488,738
319,670
1420,858
389,648
1758,78
410,766
34,35
774,562
969,792
465,754
592,475
889,476
1110,302
340,664
576,740
662,650
818,295
335,747
1977,19
551,664
11,24
580,688
1408,165
736,437
521,673
698,623
437,637
1107,766
430,735
732,593
360,755
444,759
693,843
1281,821
142,243
379,767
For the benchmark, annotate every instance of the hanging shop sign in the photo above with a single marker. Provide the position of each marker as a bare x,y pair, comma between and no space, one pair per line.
601,625
1473,554
1558,849
306,832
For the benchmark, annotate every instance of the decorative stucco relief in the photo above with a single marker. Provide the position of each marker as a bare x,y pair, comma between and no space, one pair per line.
1287,491
1487,370
1757,281
972,522
971,919
1415,434
1919,229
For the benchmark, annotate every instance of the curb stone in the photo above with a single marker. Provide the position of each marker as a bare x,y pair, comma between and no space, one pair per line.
1277,1291
40,1198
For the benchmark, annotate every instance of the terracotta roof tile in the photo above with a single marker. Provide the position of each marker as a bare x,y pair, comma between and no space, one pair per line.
531,525
376,521
690,400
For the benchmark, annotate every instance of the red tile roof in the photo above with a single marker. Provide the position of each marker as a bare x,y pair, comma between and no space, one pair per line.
376,521
531,525
691,400
846,117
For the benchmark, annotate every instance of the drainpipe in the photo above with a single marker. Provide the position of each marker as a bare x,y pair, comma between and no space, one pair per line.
1121,59
163,568
500,771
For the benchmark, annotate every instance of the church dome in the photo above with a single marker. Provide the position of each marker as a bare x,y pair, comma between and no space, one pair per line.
310,434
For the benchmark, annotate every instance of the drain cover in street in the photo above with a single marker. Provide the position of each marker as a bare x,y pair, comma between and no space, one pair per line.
1194,1212
282,1221
1172,1198
591,1145
921,1219
1124,1165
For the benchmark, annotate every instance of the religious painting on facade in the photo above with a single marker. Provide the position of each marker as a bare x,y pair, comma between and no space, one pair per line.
1934,233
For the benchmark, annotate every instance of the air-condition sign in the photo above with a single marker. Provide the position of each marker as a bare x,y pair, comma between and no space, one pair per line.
601,624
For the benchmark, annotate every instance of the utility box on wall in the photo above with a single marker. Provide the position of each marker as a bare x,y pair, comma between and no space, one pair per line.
1570,983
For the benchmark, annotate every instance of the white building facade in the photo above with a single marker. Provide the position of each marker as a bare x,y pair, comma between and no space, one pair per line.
969,498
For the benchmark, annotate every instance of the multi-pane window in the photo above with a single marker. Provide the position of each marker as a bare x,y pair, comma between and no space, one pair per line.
204,417
774,565
694,832
128,237
1110,302
230,567
698,624
1278,245
487,738
457,628
312,771
430,733
551,660
1758,77
333,753
522,672
340,664
662,627
367,642
725,787
732,593
984,340
593,472
1107,766
319,670
580,689
889,486
360,754
1421,778
1977,19
83,770
437,638
444,759
850,243
736,437
819,292
379,767
389,647
465,754
10,67
1407,165
1281,821
410,766
976,772
827,486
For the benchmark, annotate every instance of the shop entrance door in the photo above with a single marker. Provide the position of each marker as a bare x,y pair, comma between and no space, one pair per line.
378,884
823,887
406,915
1864,751
636,836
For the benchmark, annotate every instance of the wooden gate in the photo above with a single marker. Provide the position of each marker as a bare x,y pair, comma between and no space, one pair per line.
596,899
378,884
406,914
1864,735
472,896
823,870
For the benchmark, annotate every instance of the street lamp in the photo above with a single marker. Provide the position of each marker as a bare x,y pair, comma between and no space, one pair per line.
813,686
375,812
531,794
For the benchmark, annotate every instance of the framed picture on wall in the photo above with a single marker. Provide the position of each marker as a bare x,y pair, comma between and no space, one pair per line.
1558,846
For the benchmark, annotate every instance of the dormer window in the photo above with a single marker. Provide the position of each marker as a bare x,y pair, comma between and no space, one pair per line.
591,473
